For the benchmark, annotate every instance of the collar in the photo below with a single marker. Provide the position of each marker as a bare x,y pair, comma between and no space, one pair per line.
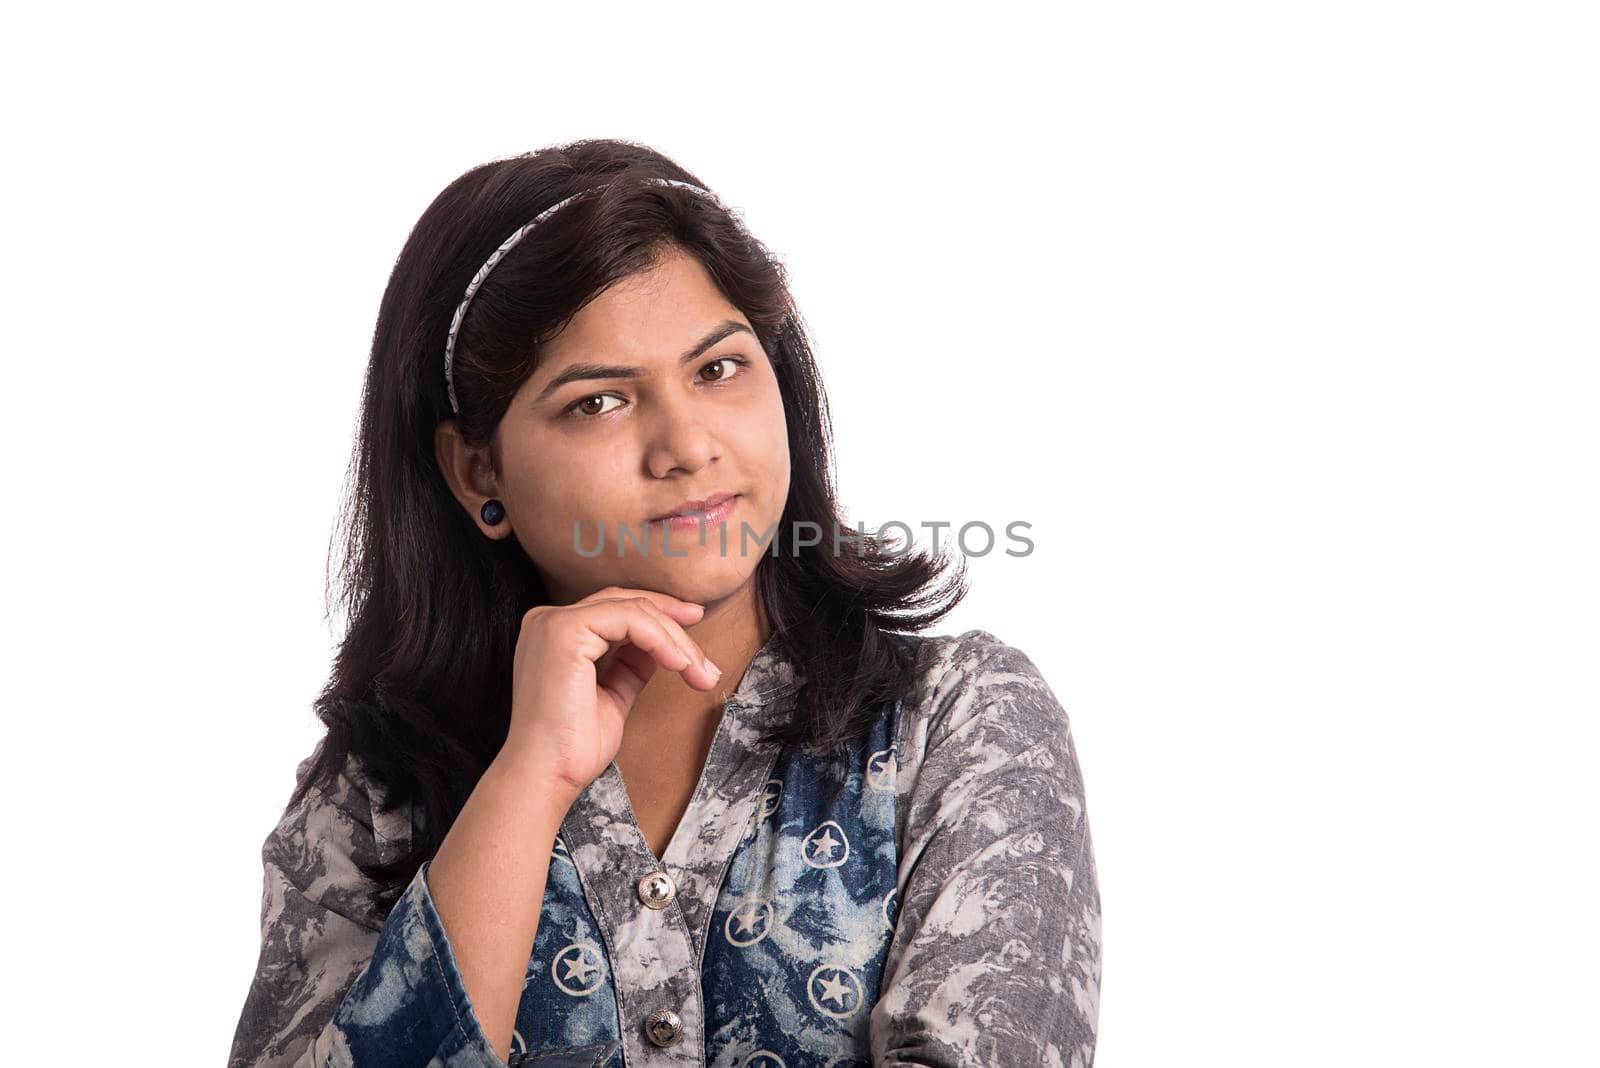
765,696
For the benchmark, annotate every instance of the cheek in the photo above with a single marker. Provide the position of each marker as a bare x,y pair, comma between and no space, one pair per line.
558,488
775,456
582,494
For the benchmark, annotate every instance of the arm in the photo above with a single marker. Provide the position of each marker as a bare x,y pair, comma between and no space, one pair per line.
336,983
317,929
995,958
488,882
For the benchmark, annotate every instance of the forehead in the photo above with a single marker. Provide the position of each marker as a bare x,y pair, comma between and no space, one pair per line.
649,316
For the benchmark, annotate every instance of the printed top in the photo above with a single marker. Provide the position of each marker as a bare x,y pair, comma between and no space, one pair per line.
929,898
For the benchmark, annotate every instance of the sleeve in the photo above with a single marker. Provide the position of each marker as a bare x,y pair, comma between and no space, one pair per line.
337,984
995,956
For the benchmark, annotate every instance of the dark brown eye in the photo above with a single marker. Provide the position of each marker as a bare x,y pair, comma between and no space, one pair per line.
582,409
723,376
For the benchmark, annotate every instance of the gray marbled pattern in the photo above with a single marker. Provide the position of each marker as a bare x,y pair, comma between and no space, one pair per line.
317,928
996,955
957,903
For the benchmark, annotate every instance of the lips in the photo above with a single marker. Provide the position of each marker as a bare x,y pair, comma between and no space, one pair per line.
695,507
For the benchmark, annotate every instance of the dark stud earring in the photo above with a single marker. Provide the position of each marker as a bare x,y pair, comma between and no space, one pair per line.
493,512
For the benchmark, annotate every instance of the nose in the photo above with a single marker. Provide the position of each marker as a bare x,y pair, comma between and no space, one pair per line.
679,439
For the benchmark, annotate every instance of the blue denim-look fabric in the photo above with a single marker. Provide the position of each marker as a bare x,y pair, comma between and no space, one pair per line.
926,897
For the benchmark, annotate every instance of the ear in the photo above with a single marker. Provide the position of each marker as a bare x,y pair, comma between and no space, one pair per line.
469,474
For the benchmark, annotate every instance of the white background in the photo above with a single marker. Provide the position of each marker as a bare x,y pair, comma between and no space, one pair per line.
1277,321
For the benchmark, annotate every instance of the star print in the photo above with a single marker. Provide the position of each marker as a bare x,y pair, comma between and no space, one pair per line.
579,967
748,918
835,991
825,845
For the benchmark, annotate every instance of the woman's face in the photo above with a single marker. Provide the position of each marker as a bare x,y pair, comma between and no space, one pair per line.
656,393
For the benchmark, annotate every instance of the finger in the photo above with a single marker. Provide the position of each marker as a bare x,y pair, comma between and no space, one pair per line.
613,622
627,674
649,628
681,610
705,673
673,613
691,650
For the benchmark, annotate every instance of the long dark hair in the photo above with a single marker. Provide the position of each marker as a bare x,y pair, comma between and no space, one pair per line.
420,688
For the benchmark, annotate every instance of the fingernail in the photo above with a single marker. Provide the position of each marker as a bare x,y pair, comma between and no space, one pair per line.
709,666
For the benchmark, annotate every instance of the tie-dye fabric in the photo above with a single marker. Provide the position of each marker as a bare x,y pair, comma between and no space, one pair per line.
928,898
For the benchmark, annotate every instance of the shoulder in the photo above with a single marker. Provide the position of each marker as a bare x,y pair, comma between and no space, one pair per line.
334,825
975,685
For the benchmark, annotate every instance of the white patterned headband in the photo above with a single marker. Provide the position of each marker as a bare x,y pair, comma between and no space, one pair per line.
499,254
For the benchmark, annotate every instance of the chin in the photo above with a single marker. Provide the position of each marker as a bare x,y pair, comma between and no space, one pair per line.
702,581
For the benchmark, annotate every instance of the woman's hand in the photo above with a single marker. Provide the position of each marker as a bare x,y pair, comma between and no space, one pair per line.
563,710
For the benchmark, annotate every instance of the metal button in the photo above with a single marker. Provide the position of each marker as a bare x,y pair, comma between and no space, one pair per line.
663,1027
656,889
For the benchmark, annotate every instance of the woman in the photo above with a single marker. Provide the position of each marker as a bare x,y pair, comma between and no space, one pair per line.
634,748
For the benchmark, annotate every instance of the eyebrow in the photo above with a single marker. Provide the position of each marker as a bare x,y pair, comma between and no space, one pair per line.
580,371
